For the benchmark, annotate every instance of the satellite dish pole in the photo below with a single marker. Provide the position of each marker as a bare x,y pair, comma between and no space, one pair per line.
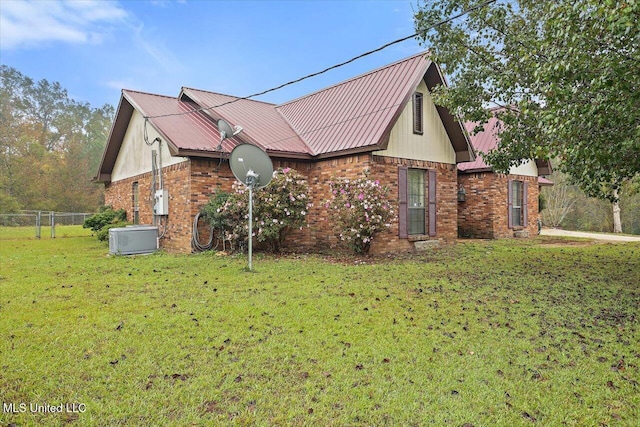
252,181
252,167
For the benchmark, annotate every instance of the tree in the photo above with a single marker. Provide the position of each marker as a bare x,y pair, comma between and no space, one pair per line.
50,146
571,208
560,200
565,72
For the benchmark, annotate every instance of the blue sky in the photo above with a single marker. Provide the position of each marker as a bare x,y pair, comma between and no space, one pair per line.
96,48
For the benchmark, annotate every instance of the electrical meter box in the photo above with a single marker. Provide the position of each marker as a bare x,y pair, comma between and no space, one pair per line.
161,206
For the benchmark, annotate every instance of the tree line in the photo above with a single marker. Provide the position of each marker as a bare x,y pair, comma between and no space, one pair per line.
50,146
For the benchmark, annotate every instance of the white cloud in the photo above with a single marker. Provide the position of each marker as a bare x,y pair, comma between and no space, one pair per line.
26,24
120,84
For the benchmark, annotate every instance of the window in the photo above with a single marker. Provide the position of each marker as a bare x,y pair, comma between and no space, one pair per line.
516,207
417,113
416,202
517,200
414,195
136,202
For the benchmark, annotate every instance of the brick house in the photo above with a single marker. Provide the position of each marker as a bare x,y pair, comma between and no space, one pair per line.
498,205
383,122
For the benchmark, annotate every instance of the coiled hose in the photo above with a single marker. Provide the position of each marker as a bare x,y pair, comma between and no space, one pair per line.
195,237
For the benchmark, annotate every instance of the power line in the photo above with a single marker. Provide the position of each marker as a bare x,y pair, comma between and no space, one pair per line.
308,76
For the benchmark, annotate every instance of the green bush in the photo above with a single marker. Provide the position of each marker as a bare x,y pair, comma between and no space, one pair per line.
105,216
103,233
213,213
104,220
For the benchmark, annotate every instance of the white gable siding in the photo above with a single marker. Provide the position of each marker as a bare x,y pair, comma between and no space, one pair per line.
134,157
433,145
528,168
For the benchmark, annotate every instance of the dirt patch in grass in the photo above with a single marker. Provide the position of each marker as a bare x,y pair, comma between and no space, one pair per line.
555,242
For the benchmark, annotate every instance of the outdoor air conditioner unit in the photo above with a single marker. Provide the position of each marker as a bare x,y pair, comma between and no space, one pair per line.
133,240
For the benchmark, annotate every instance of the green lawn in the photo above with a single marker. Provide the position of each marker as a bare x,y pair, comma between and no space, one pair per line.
61,231
498,333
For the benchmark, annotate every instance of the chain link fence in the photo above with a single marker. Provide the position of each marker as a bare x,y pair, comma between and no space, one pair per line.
39,219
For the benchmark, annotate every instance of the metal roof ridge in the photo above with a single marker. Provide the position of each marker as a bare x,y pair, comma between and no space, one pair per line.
300,135
240,98
207,110
129,95
148,93
423,54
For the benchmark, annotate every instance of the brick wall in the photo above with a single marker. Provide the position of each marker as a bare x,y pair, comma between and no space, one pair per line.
177,180
484,214
386,170
321,236
119,194
176,227
190,185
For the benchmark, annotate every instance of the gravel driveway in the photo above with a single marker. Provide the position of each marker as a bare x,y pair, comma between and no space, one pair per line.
587,235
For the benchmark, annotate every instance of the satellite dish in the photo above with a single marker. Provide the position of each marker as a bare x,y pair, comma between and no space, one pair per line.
226,131
251,165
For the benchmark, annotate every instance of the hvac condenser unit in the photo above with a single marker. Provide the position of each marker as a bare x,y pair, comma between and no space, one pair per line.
133,240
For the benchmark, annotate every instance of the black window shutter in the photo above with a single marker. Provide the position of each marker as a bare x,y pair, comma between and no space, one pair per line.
510,203
417,113
432,202
403,209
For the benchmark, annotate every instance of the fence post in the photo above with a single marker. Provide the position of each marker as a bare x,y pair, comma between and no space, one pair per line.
38,225
52,221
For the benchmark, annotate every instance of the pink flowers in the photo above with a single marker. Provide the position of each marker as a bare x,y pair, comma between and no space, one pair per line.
359,210
278,208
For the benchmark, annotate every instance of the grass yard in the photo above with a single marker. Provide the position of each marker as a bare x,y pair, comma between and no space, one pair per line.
61,231
499,333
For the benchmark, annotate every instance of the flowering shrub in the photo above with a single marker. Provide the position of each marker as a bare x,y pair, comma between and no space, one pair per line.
359,209
277,209
213,213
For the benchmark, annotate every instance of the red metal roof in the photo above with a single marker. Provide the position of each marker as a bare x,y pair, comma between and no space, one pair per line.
544,181
262,124
191,132
487,140
482,142
353,116
356,114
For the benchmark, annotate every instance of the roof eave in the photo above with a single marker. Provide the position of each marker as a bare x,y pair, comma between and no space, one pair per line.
103,178
114,141
544,167
475,170
289,155
350,151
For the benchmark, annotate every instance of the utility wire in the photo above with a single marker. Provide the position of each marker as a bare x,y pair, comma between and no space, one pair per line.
308,76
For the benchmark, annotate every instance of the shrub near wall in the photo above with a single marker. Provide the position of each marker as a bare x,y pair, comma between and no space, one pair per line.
104,220
359,209
278,208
